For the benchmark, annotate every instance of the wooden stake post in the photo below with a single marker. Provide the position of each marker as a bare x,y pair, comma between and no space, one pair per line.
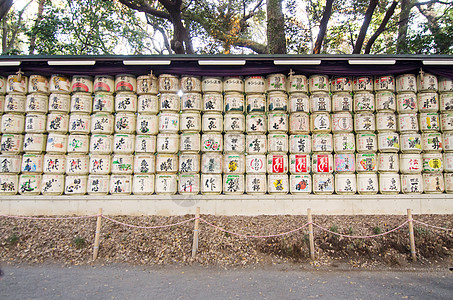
310,234
98,235
195,233
411,235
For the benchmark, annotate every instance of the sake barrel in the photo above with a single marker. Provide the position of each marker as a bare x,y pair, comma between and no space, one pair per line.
411,163
169,102
406,102
278,184
255,85
278,143
448,162
59,102
190,84
406,83
37,103
362,83
388,162
448,181
255,164
168,83
367,183
167,163
148,104
366,142
300,184
320,122
277,101
82,84
147,84
433,183
17,84
59,84
98,184
364,102
15,103
103,102
412,183
344,163
299,102
52,184
322,163
189,184
54,163
167,143
12,143
432,162
10,164
256,143
429,122
122,164
234,142
342,102
9,184
57,123
104,84
125,122
212,84
300,143
342,122
189,163
411,142
276,82
35,143
344,143
81,103
144,164
101,144
100,164
147,124
366,162
446,102
384,83
30,184
166,184
256,124
407,123
447,141
233,84
32,163
233,123
299,123
345,184
322,142
341,84
234,163
38,84
211,163
120,184
389,183
318,83
256,103
189,142
445,84
234,102
77,164
2,103
125,83
255,184
168,122
143,184
126,102
2,85
12,123
320,102
446,120
211,142
432,142
277,163
233,184
79,123
385,121
428,101
211,184
297,83
145,143
323,184
191,102
385,101
57,143
212,102
426,82
299,163
123,143
388,142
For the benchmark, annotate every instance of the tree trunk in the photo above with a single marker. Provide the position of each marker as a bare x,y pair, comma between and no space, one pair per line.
4,37
366,23
31,48
5,6
401,45
276,38
323,26
388,15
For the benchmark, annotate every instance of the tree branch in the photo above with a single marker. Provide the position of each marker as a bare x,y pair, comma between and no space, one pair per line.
366,23
388,15
146,8
323,26
418,4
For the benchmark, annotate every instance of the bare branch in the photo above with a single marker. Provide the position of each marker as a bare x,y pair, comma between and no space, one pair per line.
381,29
323,26
366,23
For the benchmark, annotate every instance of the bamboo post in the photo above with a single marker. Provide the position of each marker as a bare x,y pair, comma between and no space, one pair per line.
411,235
98,235
310,234
195,233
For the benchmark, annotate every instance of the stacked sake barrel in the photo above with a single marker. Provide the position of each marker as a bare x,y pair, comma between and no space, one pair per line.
446,110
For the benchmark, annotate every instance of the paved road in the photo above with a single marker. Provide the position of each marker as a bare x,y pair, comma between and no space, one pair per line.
133,282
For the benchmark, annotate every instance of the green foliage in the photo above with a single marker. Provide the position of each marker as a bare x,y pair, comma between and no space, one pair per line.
334,228
79,242
12,239
377,230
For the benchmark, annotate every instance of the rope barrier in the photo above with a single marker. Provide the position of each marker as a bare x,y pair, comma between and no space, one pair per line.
432,226
49,218
361,236
147,227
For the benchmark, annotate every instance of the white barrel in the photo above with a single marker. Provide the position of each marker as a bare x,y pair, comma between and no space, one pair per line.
9,184
100,164
255,164
57,123
190,84
77,164
385,101
322,163
389,183
147,84
318,83
367,183
52,184
189,163
167,163
38,84
256,103
189,142
54,163
17,84
148,104
98,184
211,184
81,103
276,82
144,164
212,102
432,142
323,184
448,162
278,143
169,102
256,143
445,84
234,142
125,122
278,184
233,184
60,84
123,143
234,164
364,102
211,142
362,83
277,101
429,122
406,102
233,123
233,84
57,143
366,162
120,184
447,141
426,82
277,163
406,83
122,164
448,181
320,102
3,85
388,162
388,142
344,163
168,122
320,122
299,163
344,143
432,162
277,123
255,85
82,84
32,163
12,123
407,123
256,124
341,84
12,143
342,102
35,143
384,83
15,103
255,184
428,101
298,102
300,143
125,83
446,122
147,124
168,83
143,184
126,102
411,142
345,184
297,84
411,163
30,184
166,184
385,121
145,143
37,103
366,142
322,142
234,102
104,84
80,123
167,143
59,102
299,123
446,102
103,102
189,184
300,184
342,122
433,183
10,164
412,183
211,163
212,84
101,144
191,102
